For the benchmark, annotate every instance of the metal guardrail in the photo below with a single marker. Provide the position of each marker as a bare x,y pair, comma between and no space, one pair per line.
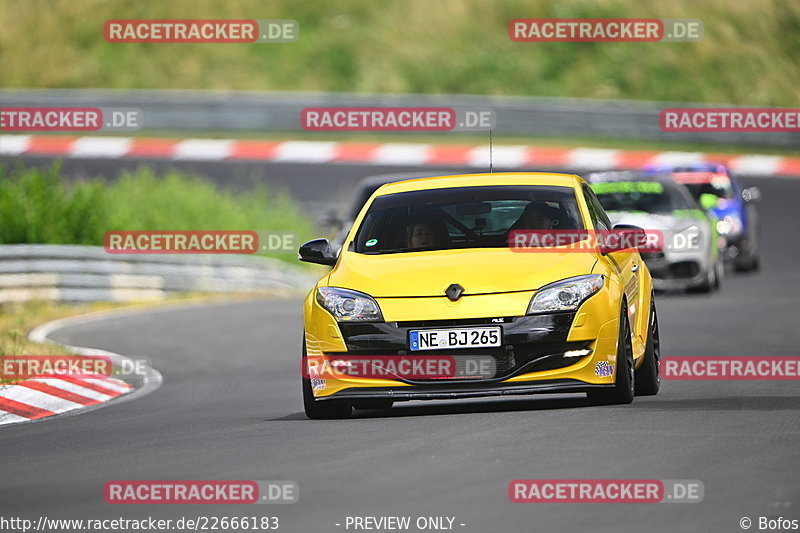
167,110
89,273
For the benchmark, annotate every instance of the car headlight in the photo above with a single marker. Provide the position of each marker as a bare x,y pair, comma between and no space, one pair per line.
687,239
349,306
565,295
729,225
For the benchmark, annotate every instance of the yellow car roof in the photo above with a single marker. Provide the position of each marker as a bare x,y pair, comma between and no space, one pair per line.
475,180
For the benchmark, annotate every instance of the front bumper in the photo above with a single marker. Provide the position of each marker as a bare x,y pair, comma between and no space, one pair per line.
529,343
677,270
453,391
530,359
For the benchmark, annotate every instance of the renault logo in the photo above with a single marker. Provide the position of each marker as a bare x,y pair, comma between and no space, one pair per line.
454,292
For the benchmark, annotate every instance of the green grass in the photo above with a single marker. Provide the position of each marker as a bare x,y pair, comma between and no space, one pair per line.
37,206
18,318
748,55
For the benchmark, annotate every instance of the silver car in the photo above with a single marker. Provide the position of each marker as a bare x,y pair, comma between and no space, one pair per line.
689,256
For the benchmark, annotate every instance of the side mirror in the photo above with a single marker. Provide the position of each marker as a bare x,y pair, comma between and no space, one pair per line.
317,251
632,237
751,194
708,201
628,228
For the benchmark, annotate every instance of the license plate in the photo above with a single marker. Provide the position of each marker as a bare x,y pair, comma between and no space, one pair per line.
442,339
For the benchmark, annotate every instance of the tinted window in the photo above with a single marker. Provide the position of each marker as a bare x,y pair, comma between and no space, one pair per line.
599,217
646,196
464,217
706,183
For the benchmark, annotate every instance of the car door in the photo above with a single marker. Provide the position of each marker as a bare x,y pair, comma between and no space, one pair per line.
626,262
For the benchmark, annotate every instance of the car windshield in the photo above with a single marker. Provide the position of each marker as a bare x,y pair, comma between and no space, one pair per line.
463,217
699,183
646,196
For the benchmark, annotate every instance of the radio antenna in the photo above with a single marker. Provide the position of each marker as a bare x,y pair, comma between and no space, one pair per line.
490,151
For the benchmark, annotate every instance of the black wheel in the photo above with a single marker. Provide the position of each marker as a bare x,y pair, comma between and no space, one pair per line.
322,410
750,263
719,273
623,390
648,377
708,284
366,405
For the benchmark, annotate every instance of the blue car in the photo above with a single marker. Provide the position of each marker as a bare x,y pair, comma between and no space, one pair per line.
734,207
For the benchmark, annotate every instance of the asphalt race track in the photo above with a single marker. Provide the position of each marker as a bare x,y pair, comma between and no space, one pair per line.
230,408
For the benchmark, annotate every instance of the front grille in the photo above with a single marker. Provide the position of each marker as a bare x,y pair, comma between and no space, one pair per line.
679,270
684,269
510,363
503,364
528,341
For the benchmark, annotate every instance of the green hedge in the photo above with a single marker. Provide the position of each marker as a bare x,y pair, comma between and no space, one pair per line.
38,206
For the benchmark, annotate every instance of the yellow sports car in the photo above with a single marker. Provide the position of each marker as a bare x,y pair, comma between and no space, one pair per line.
444,288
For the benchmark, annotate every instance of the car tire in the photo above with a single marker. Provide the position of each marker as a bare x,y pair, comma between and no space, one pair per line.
750,264
648,377
321,410
623,390
708,284
719,274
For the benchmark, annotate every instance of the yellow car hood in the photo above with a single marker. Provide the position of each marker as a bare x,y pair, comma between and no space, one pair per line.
478,271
